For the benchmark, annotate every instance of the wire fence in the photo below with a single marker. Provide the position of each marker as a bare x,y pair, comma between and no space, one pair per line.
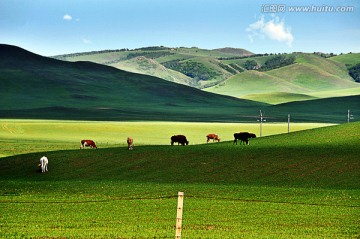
112,199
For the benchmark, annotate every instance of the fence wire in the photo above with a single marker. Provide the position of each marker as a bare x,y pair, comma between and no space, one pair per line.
174,197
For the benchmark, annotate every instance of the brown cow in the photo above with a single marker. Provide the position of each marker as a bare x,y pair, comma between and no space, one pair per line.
213,137
87,143
130,143
180,139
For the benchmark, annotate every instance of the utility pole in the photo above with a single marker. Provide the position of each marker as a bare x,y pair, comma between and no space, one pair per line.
349,116
288,123
261,120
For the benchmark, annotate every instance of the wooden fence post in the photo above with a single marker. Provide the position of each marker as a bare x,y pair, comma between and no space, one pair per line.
179,215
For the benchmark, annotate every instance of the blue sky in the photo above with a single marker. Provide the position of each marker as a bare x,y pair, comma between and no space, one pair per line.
52,27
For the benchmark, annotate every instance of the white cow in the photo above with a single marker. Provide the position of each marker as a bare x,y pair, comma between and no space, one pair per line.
44,164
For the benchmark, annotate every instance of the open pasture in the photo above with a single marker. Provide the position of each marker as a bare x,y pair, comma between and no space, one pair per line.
120,209
24,136
299,185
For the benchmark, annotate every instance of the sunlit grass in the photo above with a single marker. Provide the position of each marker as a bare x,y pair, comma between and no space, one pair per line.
22,136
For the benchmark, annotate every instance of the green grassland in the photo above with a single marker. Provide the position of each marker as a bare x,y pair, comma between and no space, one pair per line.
23,136
298,185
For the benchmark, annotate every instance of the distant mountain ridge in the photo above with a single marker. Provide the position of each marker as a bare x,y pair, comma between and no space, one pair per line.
189,66
238,51
33,86
226,71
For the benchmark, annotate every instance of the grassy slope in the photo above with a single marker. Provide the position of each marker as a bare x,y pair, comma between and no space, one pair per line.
277,97
348,60
316,74
235,51
31,85
325,157
309,179
241,62
329,109
211,65
311,75
150,67
253,82
143,65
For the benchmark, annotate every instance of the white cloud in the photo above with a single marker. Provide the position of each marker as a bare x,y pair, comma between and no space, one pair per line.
273,29
87,41
67,17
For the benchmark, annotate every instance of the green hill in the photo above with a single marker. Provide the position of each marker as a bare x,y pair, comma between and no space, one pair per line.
143,65
348,60
32,86
189,66
223,71
328,109
310,75
325,158
277,97
235,51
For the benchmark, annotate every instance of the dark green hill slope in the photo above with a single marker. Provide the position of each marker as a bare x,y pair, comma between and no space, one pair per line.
32,86
327,157
325,110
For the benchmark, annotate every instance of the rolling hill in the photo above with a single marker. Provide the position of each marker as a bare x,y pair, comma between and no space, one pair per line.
189,66
223,71
38,87
32,86
310,76
348,60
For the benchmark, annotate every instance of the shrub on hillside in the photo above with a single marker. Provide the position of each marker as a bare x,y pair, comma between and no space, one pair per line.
193,69
354,72
278,61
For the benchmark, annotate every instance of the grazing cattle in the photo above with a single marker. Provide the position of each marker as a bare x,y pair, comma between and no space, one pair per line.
243,137
180,139
130,143
87,143
44,164
213,137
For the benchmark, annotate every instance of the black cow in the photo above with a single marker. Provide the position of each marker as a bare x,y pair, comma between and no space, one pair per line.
243,137
180,139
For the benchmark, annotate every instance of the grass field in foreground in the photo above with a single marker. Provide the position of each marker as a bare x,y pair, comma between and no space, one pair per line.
25,136
299,185
113,209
